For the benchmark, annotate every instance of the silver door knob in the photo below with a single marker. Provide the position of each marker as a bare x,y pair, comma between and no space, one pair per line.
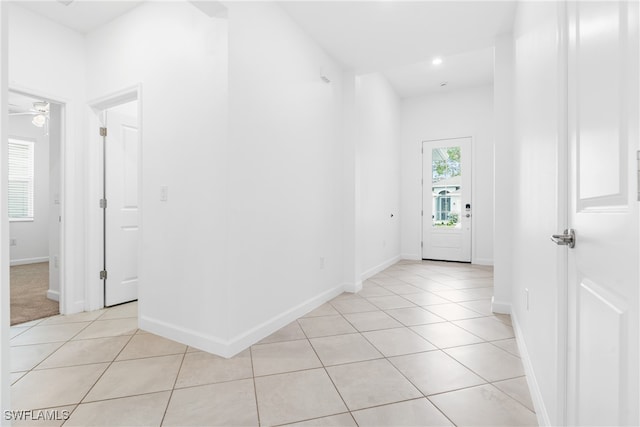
568,238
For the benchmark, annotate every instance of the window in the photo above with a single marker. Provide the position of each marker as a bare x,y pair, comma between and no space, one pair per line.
20,180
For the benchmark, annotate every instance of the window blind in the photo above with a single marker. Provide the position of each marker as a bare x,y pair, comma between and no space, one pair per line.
20,179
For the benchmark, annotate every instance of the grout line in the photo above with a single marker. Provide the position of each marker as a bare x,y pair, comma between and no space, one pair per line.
326,371
253,378
315,418
175,381
101,375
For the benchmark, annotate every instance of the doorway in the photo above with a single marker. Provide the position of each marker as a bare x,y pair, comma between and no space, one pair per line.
446,199
34,204
119,203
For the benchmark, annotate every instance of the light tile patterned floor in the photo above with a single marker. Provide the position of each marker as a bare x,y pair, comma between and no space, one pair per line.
417,346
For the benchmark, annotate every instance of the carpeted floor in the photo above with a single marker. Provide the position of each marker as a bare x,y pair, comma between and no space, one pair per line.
29,285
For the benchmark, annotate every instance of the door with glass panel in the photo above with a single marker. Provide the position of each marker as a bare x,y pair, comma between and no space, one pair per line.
446,199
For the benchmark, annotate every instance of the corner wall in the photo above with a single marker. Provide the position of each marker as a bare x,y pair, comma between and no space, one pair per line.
378,123
286,174
179,57
503,178
34,41
538,203
453,114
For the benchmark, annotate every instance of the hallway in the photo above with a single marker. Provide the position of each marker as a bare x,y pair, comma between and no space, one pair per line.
417,346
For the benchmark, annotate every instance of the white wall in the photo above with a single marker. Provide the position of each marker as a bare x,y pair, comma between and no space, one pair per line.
378,121
453,114
286,175
536,208
34,41
5,361
179,56
55,140
32,237
503,182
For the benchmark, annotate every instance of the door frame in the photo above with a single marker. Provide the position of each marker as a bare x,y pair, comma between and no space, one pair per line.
94,286
64,230
473,179
562,219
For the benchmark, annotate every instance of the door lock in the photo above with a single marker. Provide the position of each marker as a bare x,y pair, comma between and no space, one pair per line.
568,238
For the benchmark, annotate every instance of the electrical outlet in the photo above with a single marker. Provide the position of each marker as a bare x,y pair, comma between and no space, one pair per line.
321,263
13,242
55,261
164,193
526,298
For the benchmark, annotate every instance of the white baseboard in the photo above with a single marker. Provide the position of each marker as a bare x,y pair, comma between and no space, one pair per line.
411,257
483,261
378,268
53,295
246,339
233,346
500,307
73,308
534,388
353,288
25,261
189,337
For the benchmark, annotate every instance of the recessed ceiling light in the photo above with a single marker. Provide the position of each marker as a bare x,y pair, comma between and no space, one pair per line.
437,61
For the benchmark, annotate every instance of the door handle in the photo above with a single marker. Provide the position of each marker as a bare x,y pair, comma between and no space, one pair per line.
566,239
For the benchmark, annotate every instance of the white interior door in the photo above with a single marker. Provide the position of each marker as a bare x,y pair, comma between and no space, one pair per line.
122,151
603,266
446,199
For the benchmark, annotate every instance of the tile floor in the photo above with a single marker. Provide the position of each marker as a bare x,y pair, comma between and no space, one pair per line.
417,346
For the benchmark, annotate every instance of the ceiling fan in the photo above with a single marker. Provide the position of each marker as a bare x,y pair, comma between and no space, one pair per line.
39,111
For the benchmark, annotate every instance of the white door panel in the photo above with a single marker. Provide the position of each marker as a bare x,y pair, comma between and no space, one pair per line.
603,267
446,193
122,235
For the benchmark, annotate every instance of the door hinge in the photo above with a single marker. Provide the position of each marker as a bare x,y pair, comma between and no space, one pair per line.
421,213
103,275
103,131
103,203
422,244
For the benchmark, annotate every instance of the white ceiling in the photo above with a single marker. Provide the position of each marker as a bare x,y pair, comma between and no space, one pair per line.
368,36
469,69
398,38
81,15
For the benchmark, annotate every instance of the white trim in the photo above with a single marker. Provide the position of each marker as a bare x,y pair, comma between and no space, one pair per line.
53,295
353,288
25,261
483,261
378,268
68,267
411,257
233,346
94,293
500,307
532,382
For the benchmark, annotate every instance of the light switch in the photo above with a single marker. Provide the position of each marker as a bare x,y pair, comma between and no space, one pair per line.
164,193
